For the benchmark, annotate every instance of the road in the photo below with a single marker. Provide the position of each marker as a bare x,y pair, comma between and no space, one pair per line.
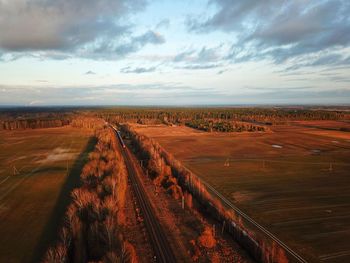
163,251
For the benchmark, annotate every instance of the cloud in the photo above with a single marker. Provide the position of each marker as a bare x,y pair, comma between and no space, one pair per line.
220,72
165,23
184,56
63,28
205,54
278,30
121,94
201,66
138,70
204,58
335,60
136,43
168,94
89,73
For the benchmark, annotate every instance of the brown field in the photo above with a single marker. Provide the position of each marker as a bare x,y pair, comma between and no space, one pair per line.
329,124
33,200
295,180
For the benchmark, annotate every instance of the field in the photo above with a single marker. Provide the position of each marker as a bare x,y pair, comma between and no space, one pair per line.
38,169
294,180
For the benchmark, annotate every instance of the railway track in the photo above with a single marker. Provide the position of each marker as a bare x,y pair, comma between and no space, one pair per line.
290,251
141,195
163,251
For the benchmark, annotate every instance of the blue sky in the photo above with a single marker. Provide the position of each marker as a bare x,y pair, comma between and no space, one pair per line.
162,52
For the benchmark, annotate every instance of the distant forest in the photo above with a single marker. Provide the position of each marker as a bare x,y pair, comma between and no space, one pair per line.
206,119
221,119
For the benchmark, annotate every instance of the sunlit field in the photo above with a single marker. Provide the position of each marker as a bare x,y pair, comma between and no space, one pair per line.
38,169
293,180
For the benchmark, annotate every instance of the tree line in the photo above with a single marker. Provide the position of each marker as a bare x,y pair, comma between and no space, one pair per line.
168,173
171,174
34,118
32,124
93,227
225,126
181,116
52,121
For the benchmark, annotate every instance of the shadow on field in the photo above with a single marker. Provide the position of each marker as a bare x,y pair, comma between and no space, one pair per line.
51,169
49,235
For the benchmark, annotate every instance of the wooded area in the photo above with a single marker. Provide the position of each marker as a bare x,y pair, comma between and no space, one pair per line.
93,221
220,119
225,126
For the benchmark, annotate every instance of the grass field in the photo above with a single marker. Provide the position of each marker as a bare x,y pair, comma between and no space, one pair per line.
295,180
38,168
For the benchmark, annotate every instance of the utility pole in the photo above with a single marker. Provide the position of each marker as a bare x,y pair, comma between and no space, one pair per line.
183,202
223,227
227,162
15,171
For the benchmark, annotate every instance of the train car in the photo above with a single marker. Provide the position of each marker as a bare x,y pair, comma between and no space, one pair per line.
121,139
118,135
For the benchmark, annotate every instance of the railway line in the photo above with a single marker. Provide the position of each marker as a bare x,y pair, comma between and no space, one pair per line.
157,243
162,249
294,254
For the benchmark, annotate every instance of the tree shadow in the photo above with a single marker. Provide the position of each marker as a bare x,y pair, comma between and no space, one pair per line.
50,233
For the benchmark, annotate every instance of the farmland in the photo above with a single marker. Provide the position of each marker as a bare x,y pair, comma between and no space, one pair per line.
294,179
38,169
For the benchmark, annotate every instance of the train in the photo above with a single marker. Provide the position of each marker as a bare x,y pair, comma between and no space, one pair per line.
121,139
119,136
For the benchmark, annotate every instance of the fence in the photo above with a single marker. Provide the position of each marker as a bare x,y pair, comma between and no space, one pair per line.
262,245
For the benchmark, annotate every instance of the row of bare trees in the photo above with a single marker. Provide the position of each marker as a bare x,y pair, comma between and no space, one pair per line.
158,169
87,122
92,230
169,172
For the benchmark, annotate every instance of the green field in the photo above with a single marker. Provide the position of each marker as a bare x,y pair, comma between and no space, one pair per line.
38,169
295,181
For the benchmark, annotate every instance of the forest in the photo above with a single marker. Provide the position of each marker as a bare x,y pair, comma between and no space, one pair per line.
205,118
225,126
231,117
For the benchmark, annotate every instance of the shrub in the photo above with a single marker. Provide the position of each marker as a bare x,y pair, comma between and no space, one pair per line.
206,239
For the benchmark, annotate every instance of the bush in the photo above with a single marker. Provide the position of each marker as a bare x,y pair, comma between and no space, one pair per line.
207,239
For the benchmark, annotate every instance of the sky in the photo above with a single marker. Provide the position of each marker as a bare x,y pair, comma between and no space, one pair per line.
165,52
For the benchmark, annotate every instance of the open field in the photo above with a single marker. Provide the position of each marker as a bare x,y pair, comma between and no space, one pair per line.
38,169
294,180
326,125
